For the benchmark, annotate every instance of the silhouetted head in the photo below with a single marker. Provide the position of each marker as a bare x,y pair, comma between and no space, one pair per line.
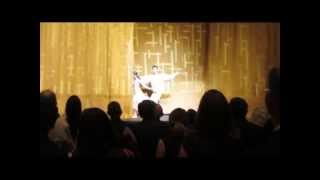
48,115
73,112
50,96
213,114
178,115
273,95
155,69
239,108
95,133
191,116
147,110
114,110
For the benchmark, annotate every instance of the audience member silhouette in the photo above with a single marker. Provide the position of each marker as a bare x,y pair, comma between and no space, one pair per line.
123,134
96,138
48,116
73,112
272,147
260,116
191,117
148,133
213,125
273,98
257,133
247,133
239,110
66,127
49,96
173,141
178,115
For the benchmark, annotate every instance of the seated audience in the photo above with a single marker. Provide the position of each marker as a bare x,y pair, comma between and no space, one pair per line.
260,124
260,116
171,147
191,117
218,130
96,138
213,125
239,110
48,116
148,133
66,127
272,147
123,134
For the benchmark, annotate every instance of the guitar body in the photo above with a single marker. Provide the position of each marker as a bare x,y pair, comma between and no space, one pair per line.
145,91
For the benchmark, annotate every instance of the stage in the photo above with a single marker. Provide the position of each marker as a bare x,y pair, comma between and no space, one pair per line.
96,61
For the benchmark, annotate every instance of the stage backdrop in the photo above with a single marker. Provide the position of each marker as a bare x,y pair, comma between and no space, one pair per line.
96,60
90,60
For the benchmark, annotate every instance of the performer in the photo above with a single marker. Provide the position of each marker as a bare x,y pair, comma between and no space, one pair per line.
157,82
150,87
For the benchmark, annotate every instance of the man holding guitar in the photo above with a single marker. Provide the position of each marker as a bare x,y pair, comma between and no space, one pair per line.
150,87
157,82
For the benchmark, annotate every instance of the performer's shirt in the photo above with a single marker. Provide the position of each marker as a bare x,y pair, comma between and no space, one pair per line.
157,81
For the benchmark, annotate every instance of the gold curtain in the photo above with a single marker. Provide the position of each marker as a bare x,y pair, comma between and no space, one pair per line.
95,60
91,60
232,57
239,57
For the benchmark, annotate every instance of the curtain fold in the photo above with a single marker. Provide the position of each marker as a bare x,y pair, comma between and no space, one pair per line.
240,56
91,60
